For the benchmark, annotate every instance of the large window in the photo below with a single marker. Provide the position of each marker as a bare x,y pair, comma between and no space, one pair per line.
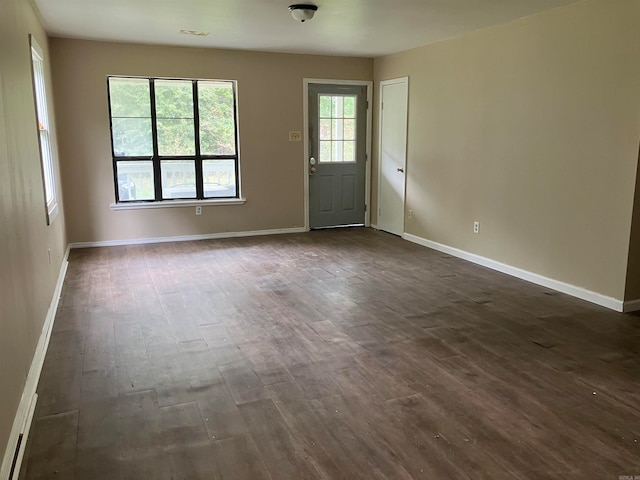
44,134
173,139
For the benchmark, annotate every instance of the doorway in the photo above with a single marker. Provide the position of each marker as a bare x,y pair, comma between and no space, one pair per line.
337,147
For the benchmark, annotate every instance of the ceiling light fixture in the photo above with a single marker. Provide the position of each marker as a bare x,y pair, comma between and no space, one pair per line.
303,11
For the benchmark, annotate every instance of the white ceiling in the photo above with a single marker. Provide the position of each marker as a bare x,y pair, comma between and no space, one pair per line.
367,28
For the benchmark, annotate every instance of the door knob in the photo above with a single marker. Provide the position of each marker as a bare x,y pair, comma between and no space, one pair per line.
401,170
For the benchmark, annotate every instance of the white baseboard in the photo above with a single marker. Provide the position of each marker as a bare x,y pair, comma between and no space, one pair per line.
186,238
24,436
588,295
631,306
26,408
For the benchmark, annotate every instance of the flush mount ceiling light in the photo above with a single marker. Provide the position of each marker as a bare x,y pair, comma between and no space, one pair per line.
302,11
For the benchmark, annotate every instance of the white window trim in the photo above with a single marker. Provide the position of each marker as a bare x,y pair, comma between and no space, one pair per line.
44,133
176,203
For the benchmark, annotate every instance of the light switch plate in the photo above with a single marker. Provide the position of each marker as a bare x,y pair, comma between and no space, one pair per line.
295,136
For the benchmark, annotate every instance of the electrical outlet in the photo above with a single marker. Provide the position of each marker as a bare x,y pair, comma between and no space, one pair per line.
476,227
410,213
295,136
198,210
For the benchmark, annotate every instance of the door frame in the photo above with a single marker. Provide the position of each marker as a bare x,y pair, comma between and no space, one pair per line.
305,104
406,156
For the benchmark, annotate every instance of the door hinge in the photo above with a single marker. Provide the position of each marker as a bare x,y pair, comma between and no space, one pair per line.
367,104
365,208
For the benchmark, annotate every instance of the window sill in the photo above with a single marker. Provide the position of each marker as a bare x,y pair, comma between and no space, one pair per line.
176,203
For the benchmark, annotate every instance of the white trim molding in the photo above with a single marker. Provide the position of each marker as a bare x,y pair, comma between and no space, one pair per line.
26,407
176,203
574,291
186,238
631,306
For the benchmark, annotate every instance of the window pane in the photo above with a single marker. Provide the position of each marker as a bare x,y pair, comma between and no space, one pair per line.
337,132
178,178
41,96
337,152
325,106
129,97
325,129
175,136
135,180
217,113
349,151
349,129
174,98
131,137
130,116
349,107
337,107
325,151
47,165
219,178
174,117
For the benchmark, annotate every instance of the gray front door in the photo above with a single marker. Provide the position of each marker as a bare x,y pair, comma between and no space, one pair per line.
337,155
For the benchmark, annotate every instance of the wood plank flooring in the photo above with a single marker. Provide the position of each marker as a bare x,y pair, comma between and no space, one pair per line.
346,354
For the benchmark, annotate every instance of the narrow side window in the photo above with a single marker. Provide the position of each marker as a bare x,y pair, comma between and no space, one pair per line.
44,132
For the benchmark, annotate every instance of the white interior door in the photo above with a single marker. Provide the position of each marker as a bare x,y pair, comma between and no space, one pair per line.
394,95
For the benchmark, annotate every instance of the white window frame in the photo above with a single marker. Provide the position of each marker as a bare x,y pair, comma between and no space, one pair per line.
44,130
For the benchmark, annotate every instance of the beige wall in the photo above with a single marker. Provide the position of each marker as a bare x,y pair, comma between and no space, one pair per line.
270,105
632,291
532,129
28,279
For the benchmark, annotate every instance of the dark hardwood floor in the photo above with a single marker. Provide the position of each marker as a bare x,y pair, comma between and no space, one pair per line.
346,354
